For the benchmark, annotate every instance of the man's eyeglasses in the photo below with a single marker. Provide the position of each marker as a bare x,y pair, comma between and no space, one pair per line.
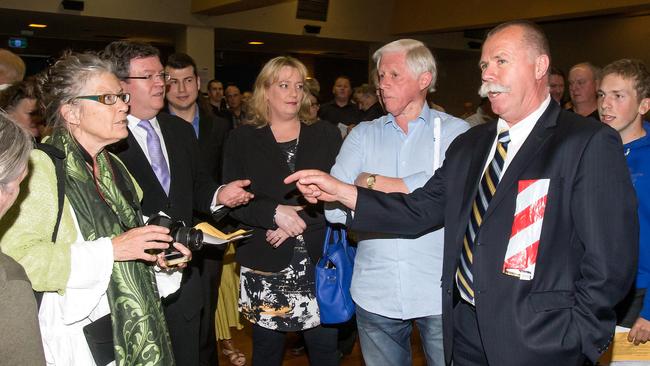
108,99
163,76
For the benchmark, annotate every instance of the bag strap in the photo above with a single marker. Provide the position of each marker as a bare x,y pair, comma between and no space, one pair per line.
57,157
336,232
328,234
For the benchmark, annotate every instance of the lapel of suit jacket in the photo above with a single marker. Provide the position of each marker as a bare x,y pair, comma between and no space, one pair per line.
479,152
204,129
135,159
271,149
534,142
305,144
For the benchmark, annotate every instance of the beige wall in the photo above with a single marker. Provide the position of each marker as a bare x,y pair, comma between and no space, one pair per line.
439,15
198,42
166,11
347,19
363,20
600,41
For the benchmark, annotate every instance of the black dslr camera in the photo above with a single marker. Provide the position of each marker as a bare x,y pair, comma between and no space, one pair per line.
192,238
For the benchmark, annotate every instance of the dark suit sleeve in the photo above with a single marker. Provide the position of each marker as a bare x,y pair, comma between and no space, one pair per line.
603,209
399,213
258,212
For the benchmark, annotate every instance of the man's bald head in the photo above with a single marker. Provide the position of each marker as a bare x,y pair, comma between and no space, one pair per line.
533,36
12,67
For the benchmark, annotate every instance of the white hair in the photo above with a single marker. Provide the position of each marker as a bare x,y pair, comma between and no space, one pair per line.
419,58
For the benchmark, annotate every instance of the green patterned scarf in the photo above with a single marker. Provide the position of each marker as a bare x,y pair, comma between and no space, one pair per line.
139,328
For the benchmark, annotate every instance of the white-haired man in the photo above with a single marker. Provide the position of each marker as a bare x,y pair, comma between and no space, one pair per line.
396,280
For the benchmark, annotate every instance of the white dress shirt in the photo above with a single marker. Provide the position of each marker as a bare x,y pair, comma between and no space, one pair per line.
518,135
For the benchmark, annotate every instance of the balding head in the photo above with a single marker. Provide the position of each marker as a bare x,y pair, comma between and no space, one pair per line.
532,36
12,67
583,84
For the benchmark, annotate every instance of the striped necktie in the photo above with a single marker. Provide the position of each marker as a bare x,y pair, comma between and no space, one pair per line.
486,189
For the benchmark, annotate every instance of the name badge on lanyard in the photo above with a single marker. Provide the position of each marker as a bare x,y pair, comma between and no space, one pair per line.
437,145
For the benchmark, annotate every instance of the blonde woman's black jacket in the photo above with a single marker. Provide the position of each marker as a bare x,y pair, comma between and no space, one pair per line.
252,153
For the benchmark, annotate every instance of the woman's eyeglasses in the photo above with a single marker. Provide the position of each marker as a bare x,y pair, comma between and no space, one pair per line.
108,99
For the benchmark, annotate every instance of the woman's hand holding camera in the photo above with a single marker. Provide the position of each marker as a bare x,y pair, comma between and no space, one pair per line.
162,261
134,244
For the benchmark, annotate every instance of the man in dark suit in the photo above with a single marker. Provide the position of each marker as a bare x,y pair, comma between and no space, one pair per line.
163,155
217,100
182,96
540,238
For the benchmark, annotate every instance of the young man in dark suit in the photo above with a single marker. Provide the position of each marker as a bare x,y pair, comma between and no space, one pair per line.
163,155
182,96
540,238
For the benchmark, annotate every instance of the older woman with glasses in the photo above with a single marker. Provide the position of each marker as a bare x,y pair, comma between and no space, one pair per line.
96,275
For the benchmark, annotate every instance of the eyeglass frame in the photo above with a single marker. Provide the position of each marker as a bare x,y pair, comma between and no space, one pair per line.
163,76
101,98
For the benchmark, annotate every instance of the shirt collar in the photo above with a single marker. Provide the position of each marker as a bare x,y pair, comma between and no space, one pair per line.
195,120
425,113
521,129
133,122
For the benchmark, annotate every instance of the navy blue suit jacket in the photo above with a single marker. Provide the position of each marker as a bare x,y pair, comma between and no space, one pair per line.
587,251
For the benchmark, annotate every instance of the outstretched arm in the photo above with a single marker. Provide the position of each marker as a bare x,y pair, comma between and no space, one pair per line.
316,185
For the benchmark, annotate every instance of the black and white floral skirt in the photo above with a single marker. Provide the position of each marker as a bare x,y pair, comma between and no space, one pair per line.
285,300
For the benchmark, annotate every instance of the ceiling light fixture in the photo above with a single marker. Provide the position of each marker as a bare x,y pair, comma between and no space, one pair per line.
36,25
255,43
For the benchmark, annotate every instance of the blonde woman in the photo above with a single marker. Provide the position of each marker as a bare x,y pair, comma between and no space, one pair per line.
277,262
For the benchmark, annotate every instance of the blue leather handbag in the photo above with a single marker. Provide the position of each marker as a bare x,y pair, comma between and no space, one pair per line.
334,276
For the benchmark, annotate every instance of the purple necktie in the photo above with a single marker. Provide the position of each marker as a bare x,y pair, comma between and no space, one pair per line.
158,163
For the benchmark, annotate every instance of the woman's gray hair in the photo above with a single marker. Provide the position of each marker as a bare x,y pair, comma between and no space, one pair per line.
419,58
15,145
62,82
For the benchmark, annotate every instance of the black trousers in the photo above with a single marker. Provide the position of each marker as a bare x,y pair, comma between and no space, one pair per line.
468,346
268,346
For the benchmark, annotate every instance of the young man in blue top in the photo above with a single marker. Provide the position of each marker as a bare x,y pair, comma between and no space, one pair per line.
623,99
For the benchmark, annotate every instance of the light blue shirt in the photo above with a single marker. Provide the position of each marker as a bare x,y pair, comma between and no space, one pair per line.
394,277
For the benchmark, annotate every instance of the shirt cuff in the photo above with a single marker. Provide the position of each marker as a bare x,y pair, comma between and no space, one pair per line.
168,280
215,206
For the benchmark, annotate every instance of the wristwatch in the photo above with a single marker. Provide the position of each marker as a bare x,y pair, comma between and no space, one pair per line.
371,180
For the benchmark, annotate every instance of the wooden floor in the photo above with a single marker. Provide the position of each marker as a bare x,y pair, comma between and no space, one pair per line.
243,340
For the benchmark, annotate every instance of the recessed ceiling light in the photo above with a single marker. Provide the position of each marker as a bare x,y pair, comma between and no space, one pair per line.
255,42
36,25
